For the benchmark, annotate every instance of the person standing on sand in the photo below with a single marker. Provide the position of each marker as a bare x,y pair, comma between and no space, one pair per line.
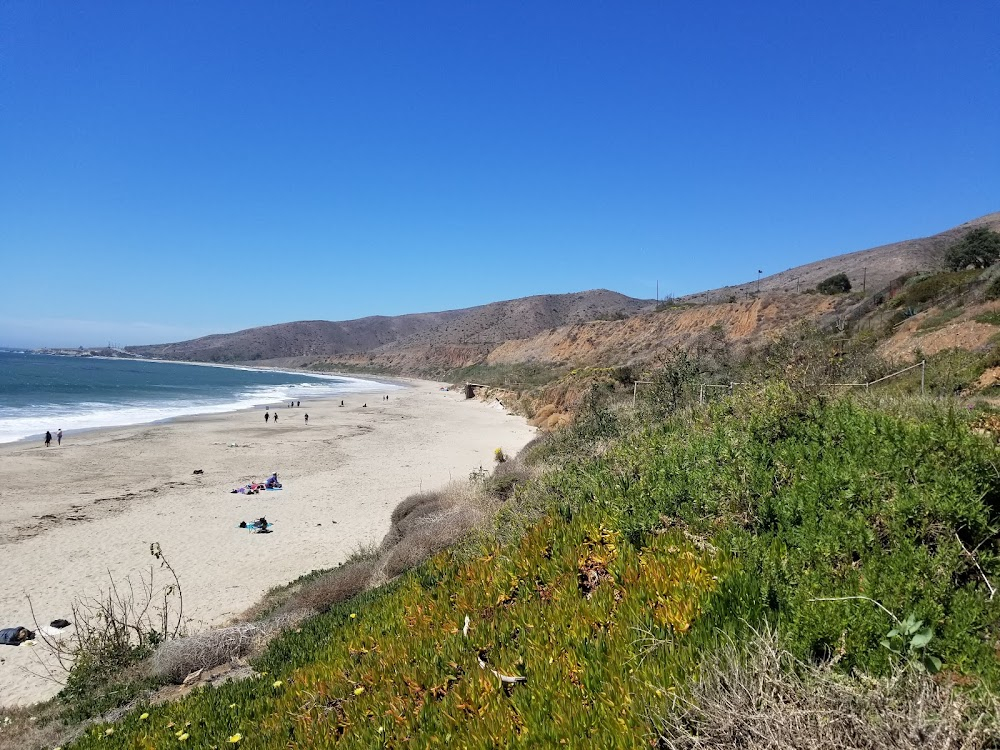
48,438
59,436
276,417
307,419
267,416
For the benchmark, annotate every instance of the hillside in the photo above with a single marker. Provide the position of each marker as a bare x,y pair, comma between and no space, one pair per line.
588,328
874,268
484,324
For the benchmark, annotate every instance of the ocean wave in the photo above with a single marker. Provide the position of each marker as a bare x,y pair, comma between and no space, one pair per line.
33,420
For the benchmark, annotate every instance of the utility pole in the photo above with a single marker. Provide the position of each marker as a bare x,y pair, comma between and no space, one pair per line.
864,279
758,282
657,290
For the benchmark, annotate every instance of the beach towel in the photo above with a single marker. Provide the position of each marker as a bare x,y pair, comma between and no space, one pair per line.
252,526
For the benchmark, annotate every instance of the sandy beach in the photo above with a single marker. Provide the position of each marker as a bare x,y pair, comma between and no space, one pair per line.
93,505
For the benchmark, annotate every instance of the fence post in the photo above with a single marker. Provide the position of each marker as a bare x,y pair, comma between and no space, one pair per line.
635,392
923,370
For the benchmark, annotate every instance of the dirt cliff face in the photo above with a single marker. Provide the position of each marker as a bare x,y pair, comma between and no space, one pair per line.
422,359
640,338
963,331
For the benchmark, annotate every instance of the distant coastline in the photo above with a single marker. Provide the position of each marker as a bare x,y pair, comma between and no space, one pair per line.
77,394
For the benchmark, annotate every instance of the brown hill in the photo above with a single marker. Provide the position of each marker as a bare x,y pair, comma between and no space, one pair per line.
642,338
481,326
873,268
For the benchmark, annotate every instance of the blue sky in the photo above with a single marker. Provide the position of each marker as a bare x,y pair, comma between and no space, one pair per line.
170,169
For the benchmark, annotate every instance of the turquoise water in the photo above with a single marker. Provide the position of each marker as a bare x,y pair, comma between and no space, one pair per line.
41,392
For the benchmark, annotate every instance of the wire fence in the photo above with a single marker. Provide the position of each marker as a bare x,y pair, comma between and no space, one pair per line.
704,389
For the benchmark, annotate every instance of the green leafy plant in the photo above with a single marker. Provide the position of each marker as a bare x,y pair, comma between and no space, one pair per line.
909,640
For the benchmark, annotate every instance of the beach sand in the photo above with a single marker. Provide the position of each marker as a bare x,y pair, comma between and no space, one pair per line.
74,513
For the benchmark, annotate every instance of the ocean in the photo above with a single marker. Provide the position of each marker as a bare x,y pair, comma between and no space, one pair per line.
40,392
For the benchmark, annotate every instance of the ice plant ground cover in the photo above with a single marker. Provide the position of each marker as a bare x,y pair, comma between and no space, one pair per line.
626,566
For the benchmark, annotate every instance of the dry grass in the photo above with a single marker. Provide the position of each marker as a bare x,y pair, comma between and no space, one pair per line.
178,658
426,523
757,695
35,728
334,587
432,535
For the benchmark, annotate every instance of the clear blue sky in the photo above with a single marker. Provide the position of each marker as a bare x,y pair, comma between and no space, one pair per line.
169,169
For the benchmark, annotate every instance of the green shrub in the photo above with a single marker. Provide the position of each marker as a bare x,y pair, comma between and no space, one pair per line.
993,289
920,291
836,284
979,248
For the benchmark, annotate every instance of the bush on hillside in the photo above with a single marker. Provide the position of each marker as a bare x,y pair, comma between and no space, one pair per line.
176,659
836,284
980,248
759,690
338,585
993,290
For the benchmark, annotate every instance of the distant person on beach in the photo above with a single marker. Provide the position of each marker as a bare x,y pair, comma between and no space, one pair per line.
59,436
307,419
48,438
267,416
298,403
341,403
276,417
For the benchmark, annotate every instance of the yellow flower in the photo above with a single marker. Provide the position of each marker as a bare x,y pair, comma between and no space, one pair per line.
184,737
235,738
277,684
109,731
359,690
353,615
232,705
143,717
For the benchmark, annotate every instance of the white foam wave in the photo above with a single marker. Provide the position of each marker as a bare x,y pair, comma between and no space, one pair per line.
95,415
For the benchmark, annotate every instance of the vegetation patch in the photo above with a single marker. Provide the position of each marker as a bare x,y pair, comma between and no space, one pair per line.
991,318
942,318
836,284
922,290
865,539
980,248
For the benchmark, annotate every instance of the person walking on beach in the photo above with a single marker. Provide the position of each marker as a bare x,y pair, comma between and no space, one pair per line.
267,416
59,436
276,417
48,438
307,419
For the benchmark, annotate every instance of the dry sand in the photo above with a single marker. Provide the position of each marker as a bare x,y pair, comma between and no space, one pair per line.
95,504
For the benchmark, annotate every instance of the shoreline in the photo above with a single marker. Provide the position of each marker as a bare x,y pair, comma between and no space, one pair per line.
95,504
228,408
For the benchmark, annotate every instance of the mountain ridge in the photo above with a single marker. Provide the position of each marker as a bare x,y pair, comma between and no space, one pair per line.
488,324
551,327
